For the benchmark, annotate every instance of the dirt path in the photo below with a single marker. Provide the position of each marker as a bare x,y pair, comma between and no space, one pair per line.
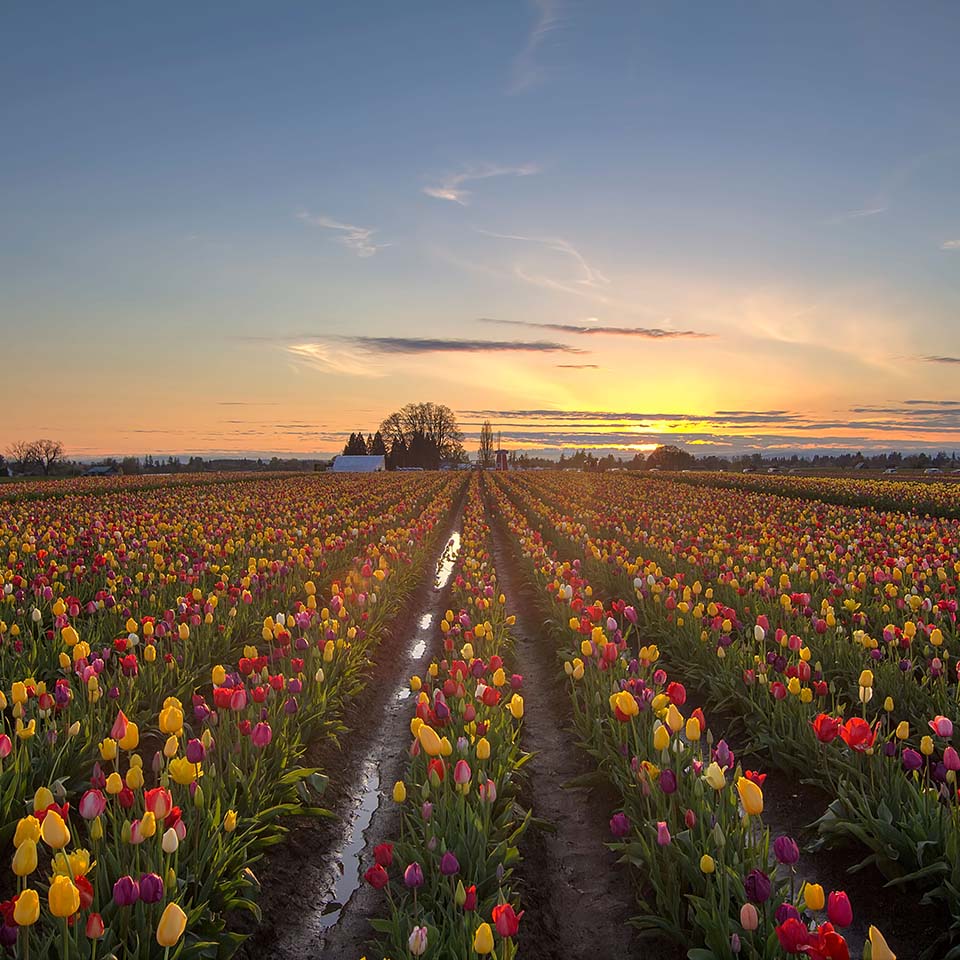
311,902
576,896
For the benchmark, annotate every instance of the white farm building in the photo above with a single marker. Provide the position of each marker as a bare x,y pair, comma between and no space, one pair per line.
343,464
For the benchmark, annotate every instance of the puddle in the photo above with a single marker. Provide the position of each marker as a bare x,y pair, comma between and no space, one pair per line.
445,569
349,856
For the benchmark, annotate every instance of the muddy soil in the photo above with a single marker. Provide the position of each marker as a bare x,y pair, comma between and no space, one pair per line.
307,879
578,899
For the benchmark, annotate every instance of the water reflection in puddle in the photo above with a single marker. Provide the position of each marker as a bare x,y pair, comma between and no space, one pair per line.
349,855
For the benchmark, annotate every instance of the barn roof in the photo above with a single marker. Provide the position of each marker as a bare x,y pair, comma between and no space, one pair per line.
344,464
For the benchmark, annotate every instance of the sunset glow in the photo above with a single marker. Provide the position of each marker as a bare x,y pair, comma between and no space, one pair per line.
595,225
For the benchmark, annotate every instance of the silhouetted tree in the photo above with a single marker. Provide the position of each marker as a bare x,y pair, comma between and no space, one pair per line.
435,423
485,454
376,446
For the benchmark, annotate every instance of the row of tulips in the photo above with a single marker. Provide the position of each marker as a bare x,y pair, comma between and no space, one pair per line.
122,601
939,498
46,489
692,817
146,850
905,812
447,874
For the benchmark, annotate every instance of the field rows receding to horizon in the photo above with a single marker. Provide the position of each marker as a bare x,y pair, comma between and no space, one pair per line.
452,715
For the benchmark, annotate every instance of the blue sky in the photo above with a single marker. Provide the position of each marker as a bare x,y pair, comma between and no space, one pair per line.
214,216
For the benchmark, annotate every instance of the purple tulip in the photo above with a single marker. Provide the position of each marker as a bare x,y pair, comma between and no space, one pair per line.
413,875
196,751
786,851
757,886
785,912
151,888
619,825
126,892
912,760
668,781
449,864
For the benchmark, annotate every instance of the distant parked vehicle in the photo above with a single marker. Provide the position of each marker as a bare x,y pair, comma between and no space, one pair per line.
890,470
932,472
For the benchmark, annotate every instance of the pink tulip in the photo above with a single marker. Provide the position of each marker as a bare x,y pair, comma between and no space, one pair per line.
262,735
92,804
942,727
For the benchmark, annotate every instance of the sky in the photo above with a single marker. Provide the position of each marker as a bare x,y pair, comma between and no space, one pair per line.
238,227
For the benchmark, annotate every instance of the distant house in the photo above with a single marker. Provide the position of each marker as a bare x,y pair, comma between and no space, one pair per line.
105,470
345,464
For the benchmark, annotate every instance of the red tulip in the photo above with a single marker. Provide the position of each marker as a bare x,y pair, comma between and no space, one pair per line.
826,727
839,910
506,920
858,734
377,877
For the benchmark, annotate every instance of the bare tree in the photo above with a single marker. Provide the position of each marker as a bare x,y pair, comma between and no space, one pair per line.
21,454
47,453
485,455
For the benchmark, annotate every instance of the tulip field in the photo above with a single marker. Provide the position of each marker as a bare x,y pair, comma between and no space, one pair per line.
173,653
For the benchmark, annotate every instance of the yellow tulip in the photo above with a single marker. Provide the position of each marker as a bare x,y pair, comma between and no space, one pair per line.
661,736
751,796
483,749
399,792
429,740
171,720
903,730
693,731
28,828
25,859
114,784
878,945
173,921
516,706
813,896
674,719
148,824
483,940
714,776
27,908
926,746
63,897
131,738
230,821
184,772
707,864
42,798
55,833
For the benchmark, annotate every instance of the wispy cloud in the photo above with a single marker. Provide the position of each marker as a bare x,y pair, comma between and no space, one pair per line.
526,69
367,356
646,333
950,245
577,366
940,359
451,187
358,239
856,214
592,277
